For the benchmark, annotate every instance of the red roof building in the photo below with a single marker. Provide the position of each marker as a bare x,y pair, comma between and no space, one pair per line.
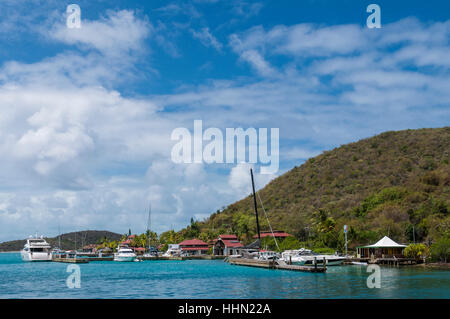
194,247
276,233
227,245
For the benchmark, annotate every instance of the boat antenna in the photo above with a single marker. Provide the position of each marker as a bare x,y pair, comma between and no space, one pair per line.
256,208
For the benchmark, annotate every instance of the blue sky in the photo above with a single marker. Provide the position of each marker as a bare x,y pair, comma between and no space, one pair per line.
86,114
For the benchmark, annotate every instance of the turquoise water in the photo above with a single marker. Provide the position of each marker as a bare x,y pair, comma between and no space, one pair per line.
211,279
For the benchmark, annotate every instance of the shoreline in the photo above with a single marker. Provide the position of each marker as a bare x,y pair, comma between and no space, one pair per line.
441,266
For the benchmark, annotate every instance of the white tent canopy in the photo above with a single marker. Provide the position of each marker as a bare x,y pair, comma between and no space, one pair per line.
385,242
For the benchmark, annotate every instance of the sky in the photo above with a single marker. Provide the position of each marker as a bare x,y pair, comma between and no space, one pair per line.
86,114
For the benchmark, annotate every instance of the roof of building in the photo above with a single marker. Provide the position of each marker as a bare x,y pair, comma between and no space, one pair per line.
126,242
384,242
232,243
193,242
194,248
279,234
139,248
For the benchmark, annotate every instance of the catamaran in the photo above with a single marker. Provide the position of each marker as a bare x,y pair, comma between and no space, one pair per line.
36,249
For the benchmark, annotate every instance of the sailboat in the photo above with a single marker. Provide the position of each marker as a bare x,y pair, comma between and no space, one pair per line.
149,220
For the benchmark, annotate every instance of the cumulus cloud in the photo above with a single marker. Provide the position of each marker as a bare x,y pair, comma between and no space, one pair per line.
80,152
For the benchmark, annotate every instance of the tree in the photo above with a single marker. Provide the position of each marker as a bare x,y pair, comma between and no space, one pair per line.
440,250
290,243
416,251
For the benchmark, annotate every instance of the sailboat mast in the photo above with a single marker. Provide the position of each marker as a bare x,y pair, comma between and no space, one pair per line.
59,236
149,225
256,207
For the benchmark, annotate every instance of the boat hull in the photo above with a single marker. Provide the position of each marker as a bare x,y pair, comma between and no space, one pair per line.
124,258
27,256
309,262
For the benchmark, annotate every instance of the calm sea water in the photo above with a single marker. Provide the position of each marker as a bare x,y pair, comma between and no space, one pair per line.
211,279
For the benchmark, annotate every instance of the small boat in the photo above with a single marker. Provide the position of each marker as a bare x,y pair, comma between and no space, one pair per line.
36,249
173,250
124,253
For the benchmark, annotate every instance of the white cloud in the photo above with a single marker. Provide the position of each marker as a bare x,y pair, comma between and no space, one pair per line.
207,38
79,152
240,179
118,32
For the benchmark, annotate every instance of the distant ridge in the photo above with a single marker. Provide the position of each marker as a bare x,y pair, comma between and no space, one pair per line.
85,237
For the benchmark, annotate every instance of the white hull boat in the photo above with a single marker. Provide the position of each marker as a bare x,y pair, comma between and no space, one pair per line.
36,249
305,257
124,254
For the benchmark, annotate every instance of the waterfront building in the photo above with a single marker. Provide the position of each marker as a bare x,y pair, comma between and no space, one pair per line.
384,248
227,245
194,247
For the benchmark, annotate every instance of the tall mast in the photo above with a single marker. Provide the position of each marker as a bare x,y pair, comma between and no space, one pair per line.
59,236
256,207
149,225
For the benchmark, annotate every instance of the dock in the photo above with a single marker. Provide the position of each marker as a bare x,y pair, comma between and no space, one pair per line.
393,261
100,258
271,264
201,257
71,260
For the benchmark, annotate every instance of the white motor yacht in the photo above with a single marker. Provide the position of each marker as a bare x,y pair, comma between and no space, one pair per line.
306,257
36,249
267,255
124,253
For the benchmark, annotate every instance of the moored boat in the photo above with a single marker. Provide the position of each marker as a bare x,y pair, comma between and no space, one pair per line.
306,257
36,249
124,253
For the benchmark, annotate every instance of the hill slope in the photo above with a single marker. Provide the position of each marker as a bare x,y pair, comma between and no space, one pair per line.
395,183
68,240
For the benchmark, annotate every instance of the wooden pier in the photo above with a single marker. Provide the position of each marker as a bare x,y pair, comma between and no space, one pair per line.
71,260
393,261
271,264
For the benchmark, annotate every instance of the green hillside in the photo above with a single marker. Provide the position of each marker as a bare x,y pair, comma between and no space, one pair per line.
395,183
68,240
